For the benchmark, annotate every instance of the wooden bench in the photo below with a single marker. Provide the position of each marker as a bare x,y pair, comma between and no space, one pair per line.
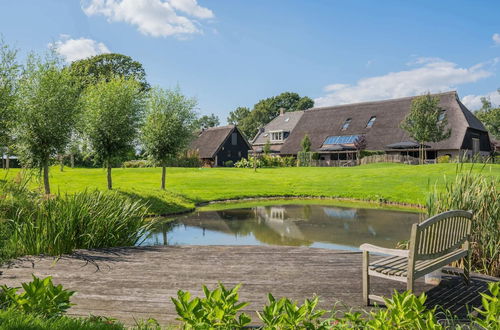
434,243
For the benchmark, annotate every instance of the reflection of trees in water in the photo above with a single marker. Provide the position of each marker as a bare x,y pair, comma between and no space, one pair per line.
163,227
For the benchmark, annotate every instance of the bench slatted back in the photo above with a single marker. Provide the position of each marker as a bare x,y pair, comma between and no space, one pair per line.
441,234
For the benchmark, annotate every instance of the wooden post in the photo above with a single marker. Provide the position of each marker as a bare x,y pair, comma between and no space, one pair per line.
411,257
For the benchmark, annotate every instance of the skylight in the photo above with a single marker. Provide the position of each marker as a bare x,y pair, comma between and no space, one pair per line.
371,122
346,124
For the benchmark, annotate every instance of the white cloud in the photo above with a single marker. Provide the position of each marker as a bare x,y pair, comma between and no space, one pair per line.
473,102
156,18
432,74
496,38
77,49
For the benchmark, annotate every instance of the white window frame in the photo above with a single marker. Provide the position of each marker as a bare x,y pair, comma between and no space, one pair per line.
277,136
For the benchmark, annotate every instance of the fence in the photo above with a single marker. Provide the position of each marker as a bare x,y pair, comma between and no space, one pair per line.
387,158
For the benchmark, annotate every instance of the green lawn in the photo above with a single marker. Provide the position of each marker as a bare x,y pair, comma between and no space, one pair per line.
187,186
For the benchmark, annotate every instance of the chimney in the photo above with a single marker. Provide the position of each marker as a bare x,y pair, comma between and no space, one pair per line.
282,111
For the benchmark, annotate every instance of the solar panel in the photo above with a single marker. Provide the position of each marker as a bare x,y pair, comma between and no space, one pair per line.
346,139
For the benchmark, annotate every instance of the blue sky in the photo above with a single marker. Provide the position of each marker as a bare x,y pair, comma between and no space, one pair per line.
230,53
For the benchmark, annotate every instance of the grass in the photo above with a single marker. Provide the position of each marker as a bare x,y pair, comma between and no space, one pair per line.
188,186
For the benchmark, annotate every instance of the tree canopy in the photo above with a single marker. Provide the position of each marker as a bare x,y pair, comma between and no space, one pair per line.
46,113
107,66
490,116
426,121
266,110
207,121
113,112
168,126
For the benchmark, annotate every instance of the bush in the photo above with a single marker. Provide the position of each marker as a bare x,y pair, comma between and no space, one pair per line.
443,159
139,163
40,297
366,153
480,194
84,220
229,163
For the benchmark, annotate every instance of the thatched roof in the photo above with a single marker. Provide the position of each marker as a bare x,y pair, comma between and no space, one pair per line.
285,122
320,123
209,141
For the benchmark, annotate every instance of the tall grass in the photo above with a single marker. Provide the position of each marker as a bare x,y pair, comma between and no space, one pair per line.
469,191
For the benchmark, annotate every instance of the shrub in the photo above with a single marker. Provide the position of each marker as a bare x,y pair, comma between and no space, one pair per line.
40,297
489,314
139,163
289,161
229,163
443,159
366,153
480,194
217,310
84,220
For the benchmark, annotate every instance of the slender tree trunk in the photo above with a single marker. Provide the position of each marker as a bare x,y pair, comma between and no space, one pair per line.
46,183
61,162
72,160
110,181
7,161
163,176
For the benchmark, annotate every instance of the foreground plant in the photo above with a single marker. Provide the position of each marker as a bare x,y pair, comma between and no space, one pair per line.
217,310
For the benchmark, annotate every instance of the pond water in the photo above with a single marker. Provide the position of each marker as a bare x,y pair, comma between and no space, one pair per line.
295,225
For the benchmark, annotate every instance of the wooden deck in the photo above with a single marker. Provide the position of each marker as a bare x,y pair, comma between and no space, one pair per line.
137,282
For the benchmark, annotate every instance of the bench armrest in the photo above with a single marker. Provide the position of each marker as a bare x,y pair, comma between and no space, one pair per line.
378,249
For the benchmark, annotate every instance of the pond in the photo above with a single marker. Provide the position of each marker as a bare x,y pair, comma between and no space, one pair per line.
319,226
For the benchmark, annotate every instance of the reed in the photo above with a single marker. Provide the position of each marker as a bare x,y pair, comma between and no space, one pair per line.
480,194
85,220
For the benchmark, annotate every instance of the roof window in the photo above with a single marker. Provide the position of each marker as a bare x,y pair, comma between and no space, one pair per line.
371,121
346,124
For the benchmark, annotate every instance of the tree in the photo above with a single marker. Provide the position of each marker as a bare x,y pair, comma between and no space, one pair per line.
267,148
9,71
266,110
112,115
107,66
306,144
168,126
46,113
425,122
237,116
359,144
490,117
205,122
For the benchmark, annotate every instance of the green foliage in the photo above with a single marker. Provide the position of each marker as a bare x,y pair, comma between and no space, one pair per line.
92,70
266,110
112,117
366,153
267,148
443,159
12,319
266,161
478,193
490,117
404,311
84,220
205,121
168,127
287,314
489,314
229,163
306,144
217,310
46,113
40,297
139,163
304,158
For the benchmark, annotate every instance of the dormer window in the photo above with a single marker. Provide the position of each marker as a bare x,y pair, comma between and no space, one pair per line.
276,136
442,115
346,124
371,122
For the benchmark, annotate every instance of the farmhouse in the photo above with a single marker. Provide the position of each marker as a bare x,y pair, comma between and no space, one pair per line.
334,130
217,145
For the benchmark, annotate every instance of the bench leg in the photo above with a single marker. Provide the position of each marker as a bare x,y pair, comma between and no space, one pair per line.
467,265
409,284
366,279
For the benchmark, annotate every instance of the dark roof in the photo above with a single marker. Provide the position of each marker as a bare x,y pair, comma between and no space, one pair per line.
285,122
404,145
209,141
319,123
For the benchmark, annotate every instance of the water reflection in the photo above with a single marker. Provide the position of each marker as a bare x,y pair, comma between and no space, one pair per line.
295,225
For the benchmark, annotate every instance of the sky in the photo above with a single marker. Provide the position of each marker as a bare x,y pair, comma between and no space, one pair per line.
230,53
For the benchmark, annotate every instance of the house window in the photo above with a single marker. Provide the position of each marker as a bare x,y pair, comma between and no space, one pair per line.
371,122
234,139
346,124
442,115
229,154
475,146
239,154
277,136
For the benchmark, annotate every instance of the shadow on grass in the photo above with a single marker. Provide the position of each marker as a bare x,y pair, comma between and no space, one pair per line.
169,205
